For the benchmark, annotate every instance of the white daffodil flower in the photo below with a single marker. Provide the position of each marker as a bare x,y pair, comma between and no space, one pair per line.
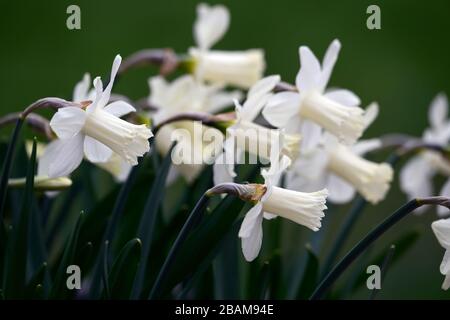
237,68
313,108
342,169
96,132
116,166
416,177
245,135
306,209
441,229
183,95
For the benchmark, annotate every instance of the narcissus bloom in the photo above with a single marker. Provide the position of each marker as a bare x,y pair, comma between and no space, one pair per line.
245,135
306,209
441,229
342,169
185,94
312,107
237,68
95,132
417,175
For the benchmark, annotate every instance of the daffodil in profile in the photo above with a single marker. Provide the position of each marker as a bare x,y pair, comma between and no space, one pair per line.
306,209
314,108
247,136
238,68
416,177
342,169
96,131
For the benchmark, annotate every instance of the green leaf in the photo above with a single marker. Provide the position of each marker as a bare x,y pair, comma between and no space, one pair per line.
402,245
148,220
310,276
37,279
15,269
7,165
124,269
59,289
105,271
205,239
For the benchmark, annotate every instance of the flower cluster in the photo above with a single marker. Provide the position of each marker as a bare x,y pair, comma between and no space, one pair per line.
306,137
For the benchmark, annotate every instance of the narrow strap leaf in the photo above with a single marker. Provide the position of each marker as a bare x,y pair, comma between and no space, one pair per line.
15,270
148,220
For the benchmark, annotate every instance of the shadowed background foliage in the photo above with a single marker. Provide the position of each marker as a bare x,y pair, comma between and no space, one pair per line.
402,66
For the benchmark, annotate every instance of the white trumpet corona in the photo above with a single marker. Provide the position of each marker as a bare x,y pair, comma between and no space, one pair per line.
371,179
238,68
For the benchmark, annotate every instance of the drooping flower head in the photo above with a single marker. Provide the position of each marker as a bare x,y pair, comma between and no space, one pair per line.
342,169
416,177
247,136
306,209
185,94
237,68
95,132
312,107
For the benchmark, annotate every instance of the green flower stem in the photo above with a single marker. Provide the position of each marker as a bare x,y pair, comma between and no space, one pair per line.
355,212
192,220
398,215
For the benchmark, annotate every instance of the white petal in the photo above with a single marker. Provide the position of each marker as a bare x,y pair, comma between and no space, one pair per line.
364,146
443,211
329,61
441,229
264,86
251,245
281,108
438,111
311,134
211,24
446,284
269,216
68,122
107,93
250,221
309,75
340,191
415,178
96,151
445,265
344,97
119,108
80,92
370,114
62,157
221,171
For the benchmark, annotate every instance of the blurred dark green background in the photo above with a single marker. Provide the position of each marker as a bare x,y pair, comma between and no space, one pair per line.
402,66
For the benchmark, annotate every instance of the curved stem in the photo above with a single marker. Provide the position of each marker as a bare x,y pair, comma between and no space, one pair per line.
192,220
35,121
372,237
166,59
220,121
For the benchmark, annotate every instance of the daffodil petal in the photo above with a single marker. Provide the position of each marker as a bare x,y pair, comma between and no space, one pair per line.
329,61
68,122
281,108
119,108
310,71
96,151
64,156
